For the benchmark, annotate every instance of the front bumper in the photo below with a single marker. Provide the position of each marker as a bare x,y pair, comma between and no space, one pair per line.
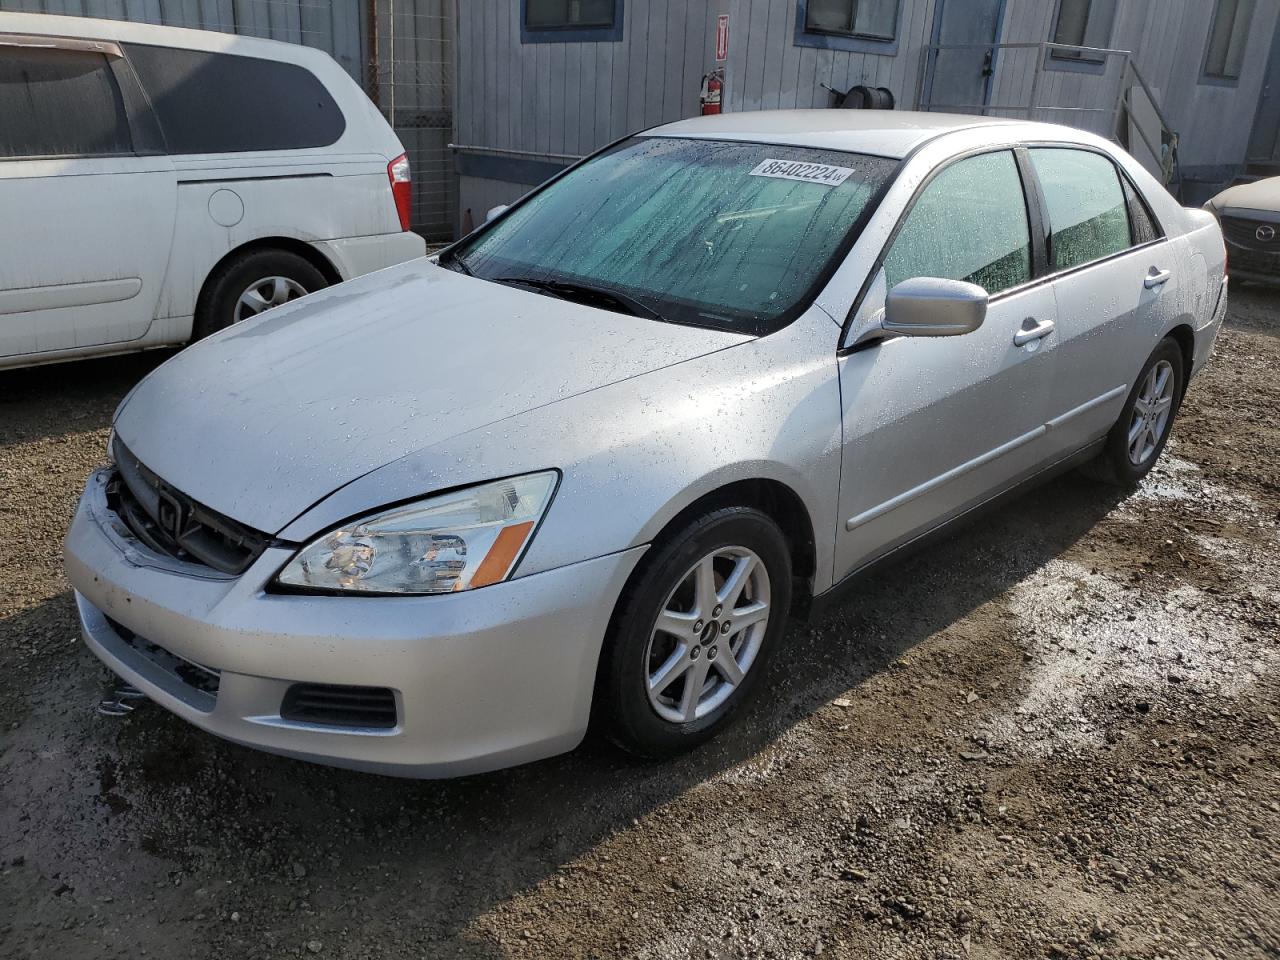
482,680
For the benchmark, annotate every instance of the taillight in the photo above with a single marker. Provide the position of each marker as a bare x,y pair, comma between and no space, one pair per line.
401,187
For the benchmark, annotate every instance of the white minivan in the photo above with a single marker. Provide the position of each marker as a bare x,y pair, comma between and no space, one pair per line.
159,184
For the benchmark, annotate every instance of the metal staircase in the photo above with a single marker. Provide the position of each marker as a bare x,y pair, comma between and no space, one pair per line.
1094,88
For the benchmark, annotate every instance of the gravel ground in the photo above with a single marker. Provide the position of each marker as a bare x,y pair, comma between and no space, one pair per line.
1052,736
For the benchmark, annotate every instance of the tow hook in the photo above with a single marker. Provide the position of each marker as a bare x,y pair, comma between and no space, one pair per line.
120,701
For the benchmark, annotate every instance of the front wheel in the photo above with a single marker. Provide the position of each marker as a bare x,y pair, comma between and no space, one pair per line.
693,632
1138,438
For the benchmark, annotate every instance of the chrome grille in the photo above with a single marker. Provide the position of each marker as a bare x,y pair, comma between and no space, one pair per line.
171,523
1243,232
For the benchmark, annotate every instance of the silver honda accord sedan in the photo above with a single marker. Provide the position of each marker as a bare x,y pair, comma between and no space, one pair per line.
583,466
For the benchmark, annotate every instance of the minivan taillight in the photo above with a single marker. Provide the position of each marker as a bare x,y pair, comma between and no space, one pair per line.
401,187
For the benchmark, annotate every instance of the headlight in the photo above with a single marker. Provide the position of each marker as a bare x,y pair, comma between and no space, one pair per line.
455,541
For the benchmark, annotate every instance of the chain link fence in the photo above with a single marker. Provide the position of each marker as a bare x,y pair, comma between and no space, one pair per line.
400,51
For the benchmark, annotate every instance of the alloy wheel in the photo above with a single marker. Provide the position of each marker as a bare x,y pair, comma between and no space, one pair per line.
708,634
1151,412
266,293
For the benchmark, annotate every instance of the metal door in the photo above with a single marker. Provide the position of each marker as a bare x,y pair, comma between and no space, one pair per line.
959,79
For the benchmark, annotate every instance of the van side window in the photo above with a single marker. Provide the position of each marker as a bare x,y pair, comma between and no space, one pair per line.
224,103
60,103
1088,219
969,223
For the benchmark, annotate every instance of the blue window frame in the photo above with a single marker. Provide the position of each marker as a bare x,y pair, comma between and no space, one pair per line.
1082,23
570,21
1228,38
858,26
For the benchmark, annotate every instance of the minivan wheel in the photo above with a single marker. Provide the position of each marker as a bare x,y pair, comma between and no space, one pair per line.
1139,436
250,284
694,631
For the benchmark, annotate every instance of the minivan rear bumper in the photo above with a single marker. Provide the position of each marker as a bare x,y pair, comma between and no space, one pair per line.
356,256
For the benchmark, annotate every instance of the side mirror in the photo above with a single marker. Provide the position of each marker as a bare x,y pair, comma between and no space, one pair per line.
933,307
495,211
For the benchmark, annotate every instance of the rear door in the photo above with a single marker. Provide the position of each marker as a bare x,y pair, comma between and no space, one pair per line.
88,198
933,426
1115,287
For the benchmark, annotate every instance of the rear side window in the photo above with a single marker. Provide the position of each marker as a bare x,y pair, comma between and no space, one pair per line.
223,103
1088,219
969,223
60,103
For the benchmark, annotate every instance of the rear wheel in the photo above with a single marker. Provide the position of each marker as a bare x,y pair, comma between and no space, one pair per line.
1138,438
253,283
694,631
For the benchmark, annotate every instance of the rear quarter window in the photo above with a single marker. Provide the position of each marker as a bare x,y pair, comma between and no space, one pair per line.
224,103
60,103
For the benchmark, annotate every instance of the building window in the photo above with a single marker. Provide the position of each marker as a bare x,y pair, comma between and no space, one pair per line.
871,19
558,21
1083,23
1228,35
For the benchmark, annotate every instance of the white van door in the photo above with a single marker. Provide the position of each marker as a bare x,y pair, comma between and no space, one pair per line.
87,197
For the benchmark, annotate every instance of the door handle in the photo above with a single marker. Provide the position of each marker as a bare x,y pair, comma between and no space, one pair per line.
1037,330
1156,277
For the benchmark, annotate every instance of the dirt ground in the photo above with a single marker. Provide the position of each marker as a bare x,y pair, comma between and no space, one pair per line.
1053,736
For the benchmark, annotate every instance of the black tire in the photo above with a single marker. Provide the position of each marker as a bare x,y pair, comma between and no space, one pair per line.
1114,464
622,698
217,306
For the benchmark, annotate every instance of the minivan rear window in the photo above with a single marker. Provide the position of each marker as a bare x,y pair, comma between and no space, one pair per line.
60,103
225,103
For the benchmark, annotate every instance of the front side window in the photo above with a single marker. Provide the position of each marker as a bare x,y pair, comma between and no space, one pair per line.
874,19
1228,35
1086,205
60,103
969,223
710,233
224,103
1083,23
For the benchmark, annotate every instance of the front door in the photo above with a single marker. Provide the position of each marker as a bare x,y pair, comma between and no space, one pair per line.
933,426
88,210
959,80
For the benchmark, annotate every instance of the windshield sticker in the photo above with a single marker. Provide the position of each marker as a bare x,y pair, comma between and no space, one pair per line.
819,173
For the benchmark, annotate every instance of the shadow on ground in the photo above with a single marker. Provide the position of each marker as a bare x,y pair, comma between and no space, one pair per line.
353,850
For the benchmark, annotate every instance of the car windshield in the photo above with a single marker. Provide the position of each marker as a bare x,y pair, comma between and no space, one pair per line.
703,232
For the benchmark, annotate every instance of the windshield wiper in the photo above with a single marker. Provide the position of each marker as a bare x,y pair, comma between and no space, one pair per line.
586,293
454,262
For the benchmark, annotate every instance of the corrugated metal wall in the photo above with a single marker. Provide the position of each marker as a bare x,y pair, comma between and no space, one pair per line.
403,58
558,100
768,71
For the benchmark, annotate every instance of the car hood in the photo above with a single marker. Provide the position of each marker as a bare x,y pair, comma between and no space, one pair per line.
266,418
1259,195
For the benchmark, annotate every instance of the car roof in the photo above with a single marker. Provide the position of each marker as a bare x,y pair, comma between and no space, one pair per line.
885,133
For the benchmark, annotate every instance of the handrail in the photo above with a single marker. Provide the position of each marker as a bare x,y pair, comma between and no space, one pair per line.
1165,154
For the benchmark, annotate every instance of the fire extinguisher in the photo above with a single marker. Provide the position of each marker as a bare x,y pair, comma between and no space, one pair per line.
712,87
